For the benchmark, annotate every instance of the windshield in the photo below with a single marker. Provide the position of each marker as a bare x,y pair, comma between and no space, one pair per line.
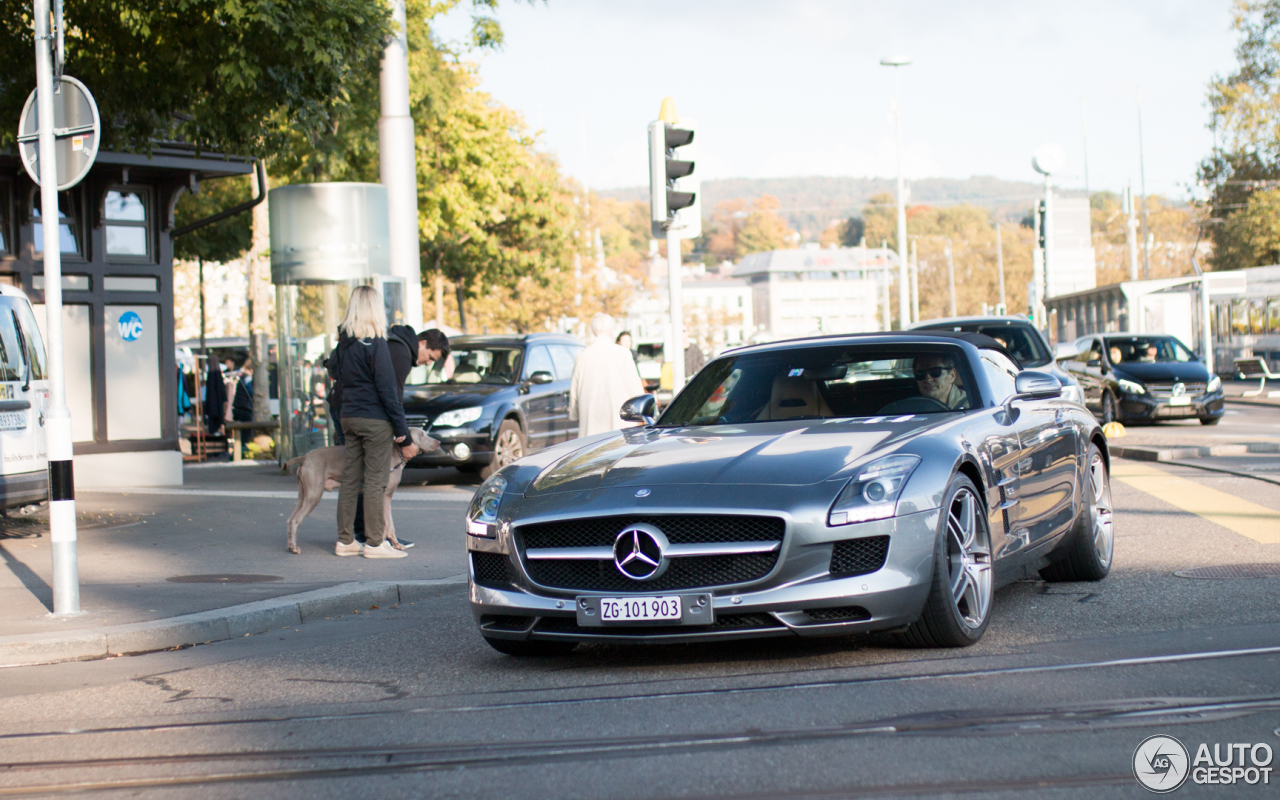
1022,341
825,382
1147,349
491,365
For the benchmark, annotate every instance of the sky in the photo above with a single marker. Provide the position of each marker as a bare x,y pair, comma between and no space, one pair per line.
782,89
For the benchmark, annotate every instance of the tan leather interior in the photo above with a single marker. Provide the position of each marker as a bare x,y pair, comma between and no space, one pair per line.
794,397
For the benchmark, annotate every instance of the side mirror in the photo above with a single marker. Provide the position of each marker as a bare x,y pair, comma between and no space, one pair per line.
640,409
1033,385
541,377
1064,350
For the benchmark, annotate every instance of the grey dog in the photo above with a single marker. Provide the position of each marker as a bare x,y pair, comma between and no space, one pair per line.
320,471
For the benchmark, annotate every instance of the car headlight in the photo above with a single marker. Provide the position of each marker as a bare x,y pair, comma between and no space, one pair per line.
1132,387
456,417
873,493
482,515
1073,393
1215,383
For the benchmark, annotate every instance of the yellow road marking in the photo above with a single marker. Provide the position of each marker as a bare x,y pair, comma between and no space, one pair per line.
1247,519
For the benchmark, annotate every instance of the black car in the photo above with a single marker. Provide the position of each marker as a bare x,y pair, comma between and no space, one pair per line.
1020,338
494,399
1130,377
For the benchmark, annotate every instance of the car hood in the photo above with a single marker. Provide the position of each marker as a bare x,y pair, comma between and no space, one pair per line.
1163,372
761,453
432,400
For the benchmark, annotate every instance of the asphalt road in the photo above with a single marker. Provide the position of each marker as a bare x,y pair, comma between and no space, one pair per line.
409,702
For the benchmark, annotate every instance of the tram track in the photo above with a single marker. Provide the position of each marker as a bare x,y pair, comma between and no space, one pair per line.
316,763
1140,661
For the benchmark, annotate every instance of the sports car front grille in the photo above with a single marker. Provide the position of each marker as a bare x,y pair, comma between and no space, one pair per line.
491,569
679,529
729,622
685,572
694,572
859,556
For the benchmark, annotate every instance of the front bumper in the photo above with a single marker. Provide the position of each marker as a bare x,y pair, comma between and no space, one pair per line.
479,444
1145,408
799,596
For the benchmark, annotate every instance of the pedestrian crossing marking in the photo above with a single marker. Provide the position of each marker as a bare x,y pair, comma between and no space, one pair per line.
1257,522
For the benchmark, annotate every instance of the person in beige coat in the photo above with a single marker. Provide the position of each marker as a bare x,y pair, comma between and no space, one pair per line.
604,378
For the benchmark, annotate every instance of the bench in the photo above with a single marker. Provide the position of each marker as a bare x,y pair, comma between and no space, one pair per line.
1256,368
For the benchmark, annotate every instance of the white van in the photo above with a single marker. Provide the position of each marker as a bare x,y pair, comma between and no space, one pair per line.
24,396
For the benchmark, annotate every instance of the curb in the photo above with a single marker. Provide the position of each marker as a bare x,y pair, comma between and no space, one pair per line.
1155,453
217,625
1251,402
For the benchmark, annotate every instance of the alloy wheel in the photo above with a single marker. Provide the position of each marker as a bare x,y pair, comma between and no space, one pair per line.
510,447
969,554
1100,491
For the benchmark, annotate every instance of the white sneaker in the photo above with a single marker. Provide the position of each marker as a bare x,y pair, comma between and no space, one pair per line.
353,549
384,550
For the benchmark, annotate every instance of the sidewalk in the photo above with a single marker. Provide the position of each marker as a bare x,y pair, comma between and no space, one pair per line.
217,542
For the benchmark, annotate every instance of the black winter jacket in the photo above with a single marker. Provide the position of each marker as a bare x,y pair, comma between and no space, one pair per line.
402,341
368,382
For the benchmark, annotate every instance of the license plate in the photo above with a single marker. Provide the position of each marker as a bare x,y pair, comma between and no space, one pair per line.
639,609
1180,401
13,420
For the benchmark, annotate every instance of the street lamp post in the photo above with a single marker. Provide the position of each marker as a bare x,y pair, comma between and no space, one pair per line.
904,282
1047,160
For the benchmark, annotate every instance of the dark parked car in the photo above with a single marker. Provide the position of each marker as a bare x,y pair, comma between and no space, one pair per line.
1144,378
1020,338
506,396
806,488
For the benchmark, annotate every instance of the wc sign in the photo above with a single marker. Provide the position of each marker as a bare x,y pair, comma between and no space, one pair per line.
130,326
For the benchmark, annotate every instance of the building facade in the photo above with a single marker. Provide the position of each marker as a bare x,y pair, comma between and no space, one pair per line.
812,291
118,312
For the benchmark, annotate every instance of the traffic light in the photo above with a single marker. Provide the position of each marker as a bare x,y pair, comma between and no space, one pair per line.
674,197
1040,220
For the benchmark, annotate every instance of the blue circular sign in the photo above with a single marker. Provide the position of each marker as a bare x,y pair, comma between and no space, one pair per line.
130,326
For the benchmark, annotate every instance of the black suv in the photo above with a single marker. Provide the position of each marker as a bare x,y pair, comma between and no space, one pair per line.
504,396
1134,377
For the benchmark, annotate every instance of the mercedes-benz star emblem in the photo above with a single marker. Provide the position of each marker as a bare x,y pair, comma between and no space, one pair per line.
1178,390
639,550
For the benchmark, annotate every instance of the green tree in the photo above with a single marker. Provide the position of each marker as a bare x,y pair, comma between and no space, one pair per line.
1245,117
229,75
222,241
491,210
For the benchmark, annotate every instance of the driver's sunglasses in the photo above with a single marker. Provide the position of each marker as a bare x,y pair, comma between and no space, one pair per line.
932,372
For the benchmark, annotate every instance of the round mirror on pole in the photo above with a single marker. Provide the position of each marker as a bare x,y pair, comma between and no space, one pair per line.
77,129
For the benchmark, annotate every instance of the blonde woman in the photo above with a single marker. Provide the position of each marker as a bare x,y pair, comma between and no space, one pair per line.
372,418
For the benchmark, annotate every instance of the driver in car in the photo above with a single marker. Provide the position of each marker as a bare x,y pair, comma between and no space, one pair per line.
936,379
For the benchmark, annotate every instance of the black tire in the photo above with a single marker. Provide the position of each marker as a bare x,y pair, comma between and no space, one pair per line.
1091,548
1108,407
508,447
948,621
1210,420
531,649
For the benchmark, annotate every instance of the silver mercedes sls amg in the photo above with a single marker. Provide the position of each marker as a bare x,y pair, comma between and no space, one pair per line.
836,485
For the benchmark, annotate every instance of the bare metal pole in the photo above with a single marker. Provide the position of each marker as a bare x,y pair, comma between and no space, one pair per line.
904,280
62,503
1142,176
951,277
677,312
1000,268
396,165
